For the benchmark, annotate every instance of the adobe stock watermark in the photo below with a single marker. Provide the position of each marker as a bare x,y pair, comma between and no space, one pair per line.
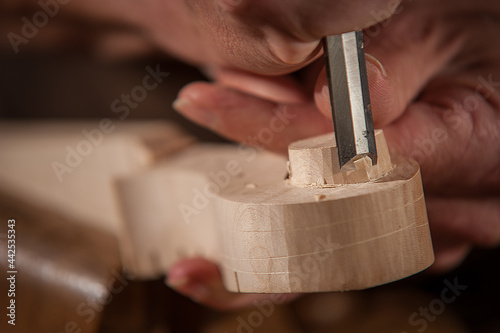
31,27
455,119
139,93
460,113
427,314
308,268
266,135
264,309
89,309
381,19
220,179
94,137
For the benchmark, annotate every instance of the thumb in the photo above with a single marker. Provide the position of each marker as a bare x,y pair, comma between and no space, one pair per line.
308,21
400,63
279,37
200,280
293,28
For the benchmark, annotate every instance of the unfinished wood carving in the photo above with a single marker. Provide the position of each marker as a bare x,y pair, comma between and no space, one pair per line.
70,167
318,230
315,163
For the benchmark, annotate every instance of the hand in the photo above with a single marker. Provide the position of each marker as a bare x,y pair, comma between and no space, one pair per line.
259,36
434,75
200,280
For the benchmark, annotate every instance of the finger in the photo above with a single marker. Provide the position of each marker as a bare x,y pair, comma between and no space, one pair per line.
310,22
279,89
278,37
383,93
452,145
457,225
247,44
433,104
472,221
250,119
449,254
201,281
401,60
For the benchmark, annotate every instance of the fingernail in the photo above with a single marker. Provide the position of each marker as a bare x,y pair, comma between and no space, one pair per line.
176,283
291,52
374,61
199,292
195,112
323,101
325,93
181,103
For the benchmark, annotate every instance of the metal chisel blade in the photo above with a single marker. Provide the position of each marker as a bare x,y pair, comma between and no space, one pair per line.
349,96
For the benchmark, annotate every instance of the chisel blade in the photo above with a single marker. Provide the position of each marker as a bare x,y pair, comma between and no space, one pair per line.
349,97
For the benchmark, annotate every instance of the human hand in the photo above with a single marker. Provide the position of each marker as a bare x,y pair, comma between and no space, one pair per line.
434,74
259,36
266,37
269,38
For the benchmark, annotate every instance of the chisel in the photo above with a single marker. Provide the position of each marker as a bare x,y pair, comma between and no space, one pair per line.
349,97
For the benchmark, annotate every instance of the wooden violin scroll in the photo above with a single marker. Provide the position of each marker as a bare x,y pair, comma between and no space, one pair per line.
319,230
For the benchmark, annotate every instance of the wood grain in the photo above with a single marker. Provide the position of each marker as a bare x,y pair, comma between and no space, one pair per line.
70,167
273,226
315,163
235,207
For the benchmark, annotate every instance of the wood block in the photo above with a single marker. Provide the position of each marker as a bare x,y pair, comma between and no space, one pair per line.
354,229
70,167
320,229
315,163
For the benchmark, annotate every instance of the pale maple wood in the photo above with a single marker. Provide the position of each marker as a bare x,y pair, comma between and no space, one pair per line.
165,200
34,165
234,206
315,163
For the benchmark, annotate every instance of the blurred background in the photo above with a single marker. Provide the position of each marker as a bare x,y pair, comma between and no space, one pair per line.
73,70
